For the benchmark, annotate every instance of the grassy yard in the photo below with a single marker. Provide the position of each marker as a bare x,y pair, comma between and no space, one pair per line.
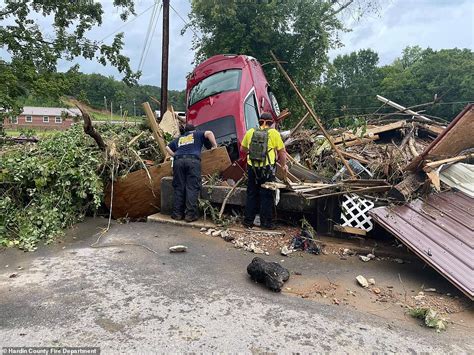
100,116
38,133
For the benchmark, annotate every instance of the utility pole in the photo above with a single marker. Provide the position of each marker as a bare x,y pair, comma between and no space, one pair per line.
164,57
105,102
134,109
110,110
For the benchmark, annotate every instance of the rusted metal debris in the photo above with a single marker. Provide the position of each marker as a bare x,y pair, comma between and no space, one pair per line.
440,230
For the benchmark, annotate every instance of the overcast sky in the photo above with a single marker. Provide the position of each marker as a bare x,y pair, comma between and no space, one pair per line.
428,23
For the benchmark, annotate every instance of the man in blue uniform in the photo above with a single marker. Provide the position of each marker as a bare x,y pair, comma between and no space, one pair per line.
186,153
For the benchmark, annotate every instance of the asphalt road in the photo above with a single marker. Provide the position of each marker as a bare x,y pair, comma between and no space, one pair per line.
127,299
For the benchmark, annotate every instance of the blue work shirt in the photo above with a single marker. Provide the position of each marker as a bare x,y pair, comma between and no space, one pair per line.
189,143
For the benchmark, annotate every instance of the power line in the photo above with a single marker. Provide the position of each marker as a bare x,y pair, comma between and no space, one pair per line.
126,23
185,22
147,37
151,37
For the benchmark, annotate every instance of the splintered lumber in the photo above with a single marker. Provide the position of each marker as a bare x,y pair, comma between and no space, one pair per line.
359,141
299,124
139,195
355,157
401,108
363,190
435,164
349,230
157,133
370,132
432,129
88,128
315,117
272,185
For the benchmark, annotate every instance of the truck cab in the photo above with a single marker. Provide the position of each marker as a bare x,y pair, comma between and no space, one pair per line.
226,94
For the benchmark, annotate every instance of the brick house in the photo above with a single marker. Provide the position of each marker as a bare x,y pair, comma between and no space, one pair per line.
43,118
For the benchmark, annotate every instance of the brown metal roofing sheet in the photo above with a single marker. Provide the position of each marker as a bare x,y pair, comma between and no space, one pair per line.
439,229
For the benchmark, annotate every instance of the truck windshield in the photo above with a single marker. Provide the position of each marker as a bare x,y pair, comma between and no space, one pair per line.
227,80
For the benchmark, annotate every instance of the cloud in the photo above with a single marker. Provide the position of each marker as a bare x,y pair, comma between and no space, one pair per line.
428,23
401,23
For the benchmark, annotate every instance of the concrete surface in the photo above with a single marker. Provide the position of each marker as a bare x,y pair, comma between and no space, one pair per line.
127,299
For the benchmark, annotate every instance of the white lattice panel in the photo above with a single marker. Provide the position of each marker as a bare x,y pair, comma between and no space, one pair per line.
354,212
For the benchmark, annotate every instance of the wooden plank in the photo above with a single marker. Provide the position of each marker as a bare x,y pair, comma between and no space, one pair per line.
350,230
135,195
358,141
157,133
347,136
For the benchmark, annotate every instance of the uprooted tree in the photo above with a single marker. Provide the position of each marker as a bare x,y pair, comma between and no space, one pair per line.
34,53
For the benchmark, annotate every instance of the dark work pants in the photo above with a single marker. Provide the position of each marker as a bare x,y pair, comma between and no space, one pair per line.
187,186
258,198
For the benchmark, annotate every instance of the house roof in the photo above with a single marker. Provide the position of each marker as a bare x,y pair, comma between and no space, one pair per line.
439,229
49,111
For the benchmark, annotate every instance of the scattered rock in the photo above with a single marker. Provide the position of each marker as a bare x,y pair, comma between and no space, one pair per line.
239,244
272,274
12,276
257,250
210,231
297,273
203,229
364,258
430,290
267,253
376,290
335,301
371,256
20,267
400,261
362,281
178,249
285,251
347,252
216,233
420,296
371,281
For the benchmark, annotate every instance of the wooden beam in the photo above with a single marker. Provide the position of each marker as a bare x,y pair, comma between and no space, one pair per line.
401,108
314,116
435,164
347,136
350,230
157,133
299,124
358,141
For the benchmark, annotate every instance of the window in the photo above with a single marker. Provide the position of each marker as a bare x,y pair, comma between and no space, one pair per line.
225,132
14,120
58,120
28,119
275,106
227,80
45,119
251,111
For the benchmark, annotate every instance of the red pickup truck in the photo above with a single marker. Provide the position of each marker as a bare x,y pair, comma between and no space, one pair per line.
226,94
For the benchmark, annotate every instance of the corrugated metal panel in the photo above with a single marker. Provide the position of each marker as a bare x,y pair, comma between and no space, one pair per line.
440,229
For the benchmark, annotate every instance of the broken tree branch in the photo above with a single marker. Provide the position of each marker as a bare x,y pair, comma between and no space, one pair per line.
315,117
88,128
402,108
221,212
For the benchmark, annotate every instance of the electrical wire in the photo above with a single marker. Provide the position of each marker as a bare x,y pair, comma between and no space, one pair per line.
185,22
151,37
147,37
126,23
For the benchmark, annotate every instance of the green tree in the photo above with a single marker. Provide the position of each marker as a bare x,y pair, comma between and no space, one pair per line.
418,75
299,31
33,54
354,81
